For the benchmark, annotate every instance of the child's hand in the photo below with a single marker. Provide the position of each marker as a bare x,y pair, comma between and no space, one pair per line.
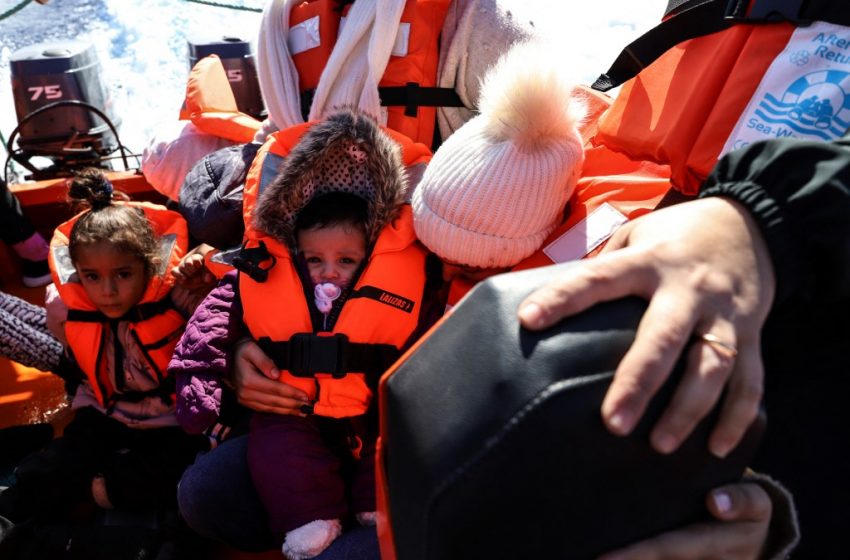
192,272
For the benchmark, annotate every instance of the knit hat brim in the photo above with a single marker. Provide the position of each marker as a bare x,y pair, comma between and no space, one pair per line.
471,248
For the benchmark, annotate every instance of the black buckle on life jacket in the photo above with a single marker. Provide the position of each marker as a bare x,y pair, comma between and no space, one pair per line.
310,354
766,10
249,261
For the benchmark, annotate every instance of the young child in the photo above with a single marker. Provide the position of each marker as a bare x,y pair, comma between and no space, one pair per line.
120,318
333,287
500,184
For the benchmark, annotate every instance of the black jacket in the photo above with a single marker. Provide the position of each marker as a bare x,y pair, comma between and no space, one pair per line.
799,193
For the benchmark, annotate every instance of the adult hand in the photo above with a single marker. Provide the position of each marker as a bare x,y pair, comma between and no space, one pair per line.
255,380
704,268
743,510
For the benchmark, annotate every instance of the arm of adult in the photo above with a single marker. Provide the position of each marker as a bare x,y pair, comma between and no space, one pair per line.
775,210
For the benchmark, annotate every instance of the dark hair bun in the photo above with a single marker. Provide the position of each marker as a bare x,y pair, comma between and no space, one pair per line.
91,188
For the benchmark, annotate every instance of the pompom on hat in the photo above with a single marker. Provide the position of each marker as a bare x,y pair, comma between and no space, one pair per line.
497,187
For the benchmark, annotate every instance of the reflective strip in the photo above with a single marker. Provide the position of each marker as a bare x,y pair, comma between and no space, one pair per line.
304,36
64,267
804,94
586,235
166,246
402,40
271,166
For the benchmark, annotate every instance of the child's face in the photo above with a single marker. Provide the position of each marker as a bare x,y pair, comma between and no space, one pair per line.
114,280
332,253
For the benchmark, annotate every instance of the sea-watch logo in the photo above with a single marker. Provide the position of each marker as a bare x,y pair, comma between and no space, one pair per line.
815,105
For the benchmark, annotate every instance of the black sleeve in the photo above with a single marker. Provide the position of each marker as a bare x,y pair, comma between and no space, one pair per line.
799,193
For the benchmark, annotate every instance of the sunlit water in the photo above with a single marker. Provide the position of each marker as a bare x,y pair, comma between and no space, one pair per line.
142,45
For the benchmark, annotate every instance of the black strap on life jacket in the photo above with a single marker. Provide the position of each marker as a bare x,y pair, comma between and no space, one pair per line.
141,312
688,19
135,314
249,261
410,96
306,354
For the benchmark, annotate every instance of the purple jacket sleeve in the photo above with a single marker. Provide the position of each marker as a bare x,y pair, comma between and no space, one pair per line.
203,356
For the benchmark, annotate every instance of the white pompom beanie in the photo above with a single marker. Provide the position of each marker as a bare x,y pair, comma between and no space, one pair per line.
497,187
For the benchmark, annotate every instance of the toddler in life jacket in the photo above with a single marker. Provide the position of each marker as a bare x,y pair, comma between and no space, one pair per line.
116,310
500,184
332,284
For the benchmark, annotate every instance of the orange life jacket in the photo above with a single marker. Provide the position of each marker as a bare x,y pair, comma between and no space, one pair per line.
154,323
339,369
211,106
407,87
745,81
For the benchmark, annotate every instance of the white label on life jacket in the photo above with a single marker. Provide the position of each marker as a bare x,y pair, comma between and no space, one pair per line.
304,36
586,235
805,92
402,40
64,266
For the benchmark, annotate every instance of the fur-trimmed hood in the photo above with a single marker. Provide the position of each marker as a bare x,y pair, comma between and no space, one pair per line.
346,152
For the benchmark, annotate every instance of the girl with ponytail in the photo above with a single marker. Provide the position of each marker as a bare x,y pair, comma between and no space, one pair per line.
116,309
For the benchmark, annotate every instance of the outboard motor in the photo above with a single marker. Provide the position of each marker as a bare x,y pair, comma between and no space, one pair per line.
63,108
237,58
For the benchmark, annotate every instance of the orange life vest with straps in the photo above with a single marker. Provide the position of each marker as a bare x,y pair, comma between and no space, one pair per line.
337,370
407,87
154,323
717,75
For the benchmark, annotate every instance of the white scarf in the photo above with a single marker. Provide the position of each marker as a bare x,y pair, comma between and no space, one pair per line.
351,75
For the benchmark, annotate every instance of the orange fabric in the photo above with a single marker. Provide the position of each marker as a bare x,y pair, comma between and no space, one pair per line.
632,188
681,109
419,65
211,106
311,62
85,338
278,309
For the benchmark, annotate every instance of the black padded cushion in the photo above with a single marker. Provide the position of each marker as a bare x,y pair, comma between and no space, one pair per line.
495,447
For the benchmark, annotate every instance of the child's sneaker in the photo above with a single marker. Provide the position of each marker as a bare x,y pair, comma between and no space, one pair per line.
310,540
35,274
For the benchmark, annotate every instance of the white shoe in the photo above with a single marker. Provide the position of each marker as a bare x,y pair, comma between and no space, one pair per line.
310,540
